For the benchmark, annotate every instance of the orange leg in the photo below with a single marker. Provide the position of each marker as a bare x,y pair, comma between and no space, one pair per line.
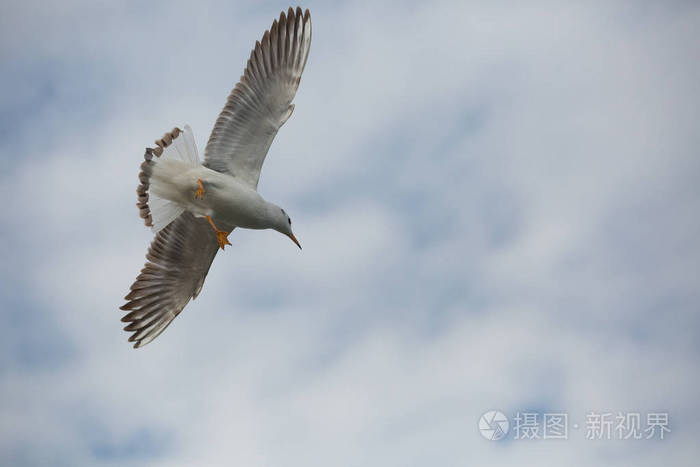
221,236
199,194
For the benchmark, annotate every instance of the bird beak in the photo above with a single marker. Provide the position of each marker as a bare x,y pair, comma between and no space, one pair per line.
294,239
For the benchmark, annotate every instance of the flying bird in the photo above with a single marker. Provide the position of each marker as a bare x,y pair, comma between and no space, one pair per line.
193,206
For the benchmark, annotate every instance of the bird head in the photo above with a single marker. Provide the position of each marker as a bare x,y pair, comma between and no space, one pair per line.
284,226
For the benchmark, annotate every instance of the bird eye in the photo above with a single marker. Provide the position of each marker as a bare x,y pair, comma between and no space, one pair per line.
289,220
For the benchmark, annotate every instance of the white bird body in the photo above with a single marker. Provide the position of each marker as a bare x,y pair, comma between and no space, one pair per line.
228,200
193,205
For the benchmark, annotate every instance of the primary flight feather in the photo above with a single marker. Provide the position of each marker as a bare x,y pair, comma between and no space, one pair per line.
194,206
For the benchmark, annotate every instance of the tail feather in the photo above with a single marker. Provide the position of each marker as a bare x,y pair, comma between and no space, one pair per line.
158,212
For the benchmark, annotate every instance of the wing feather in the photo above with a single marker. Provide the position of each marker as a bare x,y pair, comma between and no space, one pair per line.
262,100
178,262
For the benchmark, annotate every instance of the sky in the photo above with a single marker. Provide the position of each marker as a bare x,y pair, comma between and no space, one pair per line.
498,204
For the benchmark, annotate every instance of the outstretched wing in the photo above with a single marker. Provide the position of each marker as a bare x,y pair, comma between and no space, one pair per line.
178,261
262,100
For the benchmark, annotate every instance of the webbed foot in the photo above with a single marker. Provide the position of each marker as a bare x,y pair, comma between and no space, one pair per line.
199,193
221,236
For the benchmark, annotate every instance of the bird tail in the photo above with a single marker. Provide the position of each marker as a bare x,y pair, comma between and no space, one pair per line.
178,145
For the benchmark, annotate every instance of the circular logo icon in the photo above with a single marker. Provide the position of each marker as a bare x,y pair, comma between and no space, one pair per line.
493,425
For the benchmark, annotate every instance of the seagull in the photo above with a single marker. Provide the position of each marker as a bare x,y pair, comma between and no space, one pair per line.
193,206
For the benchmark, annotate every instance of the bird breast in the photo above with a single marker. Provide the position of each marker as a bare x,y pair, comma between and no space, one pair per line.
234,202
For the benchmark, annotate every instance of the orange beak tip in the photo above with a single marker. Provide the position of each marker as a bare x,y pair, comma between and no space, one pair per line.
294,239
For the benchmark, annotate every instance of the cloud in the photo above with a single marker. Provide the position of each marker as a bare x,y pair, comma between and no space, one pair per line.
497,207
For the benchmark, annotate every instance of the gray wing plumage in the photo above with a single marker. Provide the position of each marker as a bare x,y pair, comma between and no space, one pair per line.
261,101
178,261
